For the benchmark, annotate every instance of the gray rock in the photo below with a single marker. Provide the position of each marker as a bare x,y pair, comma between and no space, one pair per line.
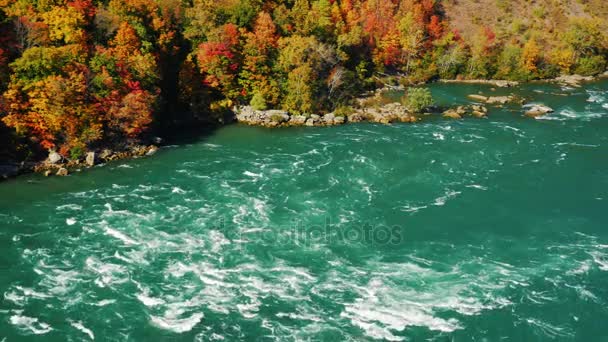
54,157
573,80
492,99
158,140
479,98
536,110
298,120
63,172
105,154
499,99
90,159
315,117
339,120
329,118
152,150
310,122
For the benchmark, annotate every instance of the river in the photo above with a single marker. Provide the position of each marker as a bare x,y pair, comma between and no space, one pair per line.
479,229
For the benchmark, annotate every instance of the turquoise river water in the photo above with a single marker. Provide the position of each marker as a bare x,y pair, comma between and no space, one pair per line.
474,230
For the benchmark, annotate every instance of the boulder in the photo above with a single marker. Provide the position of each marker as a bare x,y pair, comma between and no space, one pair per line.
297,120
479,98
152,150
54,158
499,99
90,159
492,99
329,119
339,120
479,111
63,172
106,154
537,110
315,117
310,122
47,173
573,80
356,117
452,114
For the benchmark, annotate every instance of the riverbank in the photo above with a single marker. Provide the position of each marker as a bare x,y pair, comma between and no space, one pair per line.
58,165
372,107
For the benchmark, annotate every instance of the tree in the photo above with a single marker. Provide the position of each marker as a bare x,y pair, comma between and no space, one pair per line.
218,60
531,57
417,99
259,50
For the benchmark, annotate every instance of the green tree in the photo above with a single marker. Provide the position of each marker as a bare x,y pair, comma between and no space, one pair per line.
417,99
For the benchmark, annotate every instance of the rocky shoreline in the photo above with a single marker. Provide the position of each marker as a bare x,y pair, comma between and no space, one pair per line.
368,109
58,165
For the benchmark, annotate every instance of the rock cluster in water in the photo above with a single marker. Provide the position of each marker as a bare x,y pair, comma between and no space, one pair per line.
500,100
536,110
459,112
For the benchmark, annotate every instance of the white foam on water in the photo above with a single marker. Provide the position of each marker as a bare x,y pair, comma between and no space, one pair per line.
120,236
30,324
108,274
253,175
177,325
178,190
384,309
20,296
550,330
149,301
71,221
105,302
73,207
439,136
600,259
441,201
80,326
477,186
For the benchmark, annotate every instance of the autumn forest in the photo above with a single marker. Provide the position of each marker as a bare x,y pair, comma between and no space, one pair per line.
79,74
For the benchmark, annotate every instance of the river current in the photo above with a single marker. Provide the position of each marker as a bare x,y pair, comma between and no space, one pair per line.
479,229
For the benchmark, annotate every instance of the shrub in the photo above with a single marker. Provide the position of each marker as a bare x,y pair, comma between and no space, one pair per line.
258,102
417,99
589,66
276,118
343,111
